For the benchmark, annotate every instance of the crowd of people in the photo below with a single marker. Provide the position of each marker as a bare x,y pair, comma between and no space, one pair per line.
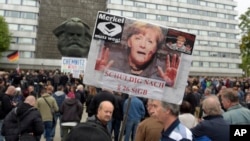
33,102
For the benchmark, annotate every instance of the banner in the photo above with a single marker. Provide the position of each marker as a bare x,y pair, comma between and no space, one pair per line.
76,66
139,58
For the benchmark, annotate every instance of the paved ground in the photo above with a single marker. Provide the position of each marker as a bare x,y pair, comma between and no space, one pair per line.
57,136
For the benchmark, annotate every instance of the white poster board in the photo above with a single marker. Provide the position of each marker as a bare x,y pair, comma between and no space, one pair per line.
73,65
139,58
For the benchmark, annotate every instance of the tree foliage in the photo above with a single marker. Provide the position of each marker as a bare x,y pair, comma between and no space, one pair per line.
5,36
245,41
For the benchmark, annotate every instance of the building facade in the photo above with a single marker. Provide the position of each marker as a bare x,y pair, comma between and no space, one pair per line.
216,51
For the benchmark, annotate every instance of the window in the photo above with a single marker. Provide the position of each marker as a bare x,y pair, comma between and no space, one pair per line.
231,45
223,65
152,6
127,14
30,2
212,14
204,53
221,25
28,15
2,1
193,31
212,43
1,13
151,16
116,1
140,4
172,8
183,10
140,15
205,43
13,26
128,2
25,41
213,34
210,4
214,54
212,24
231,26
205,64
233,66
14,2
196,53
116,12
184,1
14,14
27,54
183,20
195,63
214,64
220,15
26,28
223,35
204,33
173,19
234,55
193,1
203,3
220,6
162,7
162,18
229,7
221,44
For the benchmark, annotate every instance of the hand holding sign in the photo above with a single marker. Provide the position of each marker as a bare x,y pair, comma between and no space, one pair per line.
171,69
102,61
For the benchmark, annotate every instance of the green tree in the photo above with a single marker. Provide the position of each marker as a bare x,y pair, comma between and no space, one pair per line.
5,36
245,41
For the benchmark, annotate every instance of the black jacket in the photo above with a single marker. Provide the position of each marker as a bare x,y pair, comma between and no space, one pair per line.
30,122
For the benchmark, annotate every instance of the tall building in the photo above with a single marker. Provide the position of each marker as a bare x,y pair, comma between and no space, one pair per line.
22,19
216,51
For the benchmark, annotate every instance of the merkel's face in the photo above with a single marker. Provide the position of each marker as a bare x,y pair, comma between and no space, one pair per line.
142,46
180,43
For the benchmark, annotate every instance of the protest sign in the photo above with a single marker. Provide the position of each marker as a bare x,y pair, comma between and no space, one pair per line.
73,65
139,58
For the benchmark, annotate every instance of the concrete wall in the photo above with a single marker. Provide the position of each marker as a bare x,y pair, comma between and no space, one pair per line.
53,13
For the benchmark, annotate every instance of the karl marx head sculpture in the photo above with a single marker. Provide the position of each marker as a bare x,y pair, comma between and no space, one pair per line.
73,38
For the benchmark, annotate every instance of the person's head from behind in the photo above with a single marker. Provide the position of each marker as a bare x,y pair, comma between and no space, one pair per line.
180,41
105,111
73,38
143,39
164,111
185,107
31,100
211,106
229,98
11,90
88,132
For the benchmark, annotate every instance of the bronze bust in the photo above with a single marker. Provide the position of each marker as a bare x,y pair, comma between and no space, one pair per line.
73,38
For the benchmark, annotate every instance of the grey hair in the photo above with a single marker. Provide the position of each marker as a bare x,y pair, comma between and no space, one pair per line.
174,108
211,105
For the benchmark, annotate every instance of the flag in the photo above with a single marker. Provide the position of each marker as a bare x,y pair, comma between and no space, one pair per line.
13,56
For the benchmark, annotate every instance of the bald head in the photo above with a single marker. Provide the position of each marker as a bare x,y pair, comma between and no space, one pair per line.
105,111
11,90
31,100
